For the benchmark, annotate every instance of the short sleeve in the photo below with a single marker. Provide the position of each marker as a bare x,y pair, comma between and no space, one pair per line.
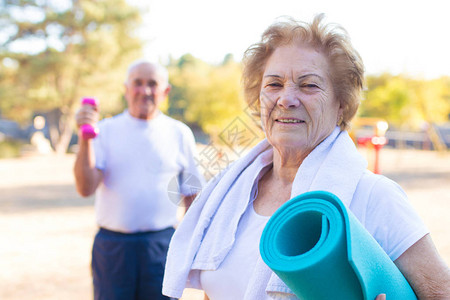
99,148
391,219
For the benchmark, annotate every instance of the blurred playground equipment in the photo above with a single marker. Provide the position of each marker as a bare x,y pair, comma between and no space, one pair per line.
373,138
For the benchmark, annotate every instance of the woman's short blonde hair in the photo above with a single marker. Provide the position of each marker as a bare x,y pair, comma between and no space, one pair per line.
346,66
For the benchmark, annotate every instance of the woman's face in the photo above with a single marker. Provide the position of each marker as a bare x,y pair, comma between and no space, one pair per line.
298,105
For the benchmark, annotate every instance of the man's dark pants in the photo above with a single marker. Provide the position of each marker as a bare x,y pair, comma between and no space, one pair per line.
129,266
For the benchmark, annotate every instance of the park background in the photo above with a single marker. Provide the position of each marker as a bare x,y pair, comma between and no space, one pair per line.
52,53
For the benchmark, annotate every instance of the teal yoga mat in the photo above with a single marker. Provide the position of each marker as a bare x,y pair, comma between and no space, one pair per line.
320,251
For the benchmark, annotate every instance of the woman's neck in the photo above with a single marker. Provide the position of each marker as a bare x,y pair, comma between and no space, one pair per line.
286,164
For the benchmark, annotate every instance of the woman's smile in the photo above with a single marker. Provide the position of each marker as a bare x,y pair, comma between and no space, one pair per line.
289,121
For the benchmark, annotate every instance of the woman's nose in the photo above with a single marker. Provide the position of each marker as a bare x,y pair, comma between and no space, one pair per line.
289,99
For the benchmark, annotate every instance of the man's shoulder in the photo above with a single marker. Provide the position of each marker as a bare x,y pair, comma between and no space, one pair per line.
112,120
169,121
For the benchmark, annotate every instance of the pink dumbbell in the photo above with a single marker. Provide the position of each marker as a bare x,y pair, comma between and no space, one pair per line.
87,130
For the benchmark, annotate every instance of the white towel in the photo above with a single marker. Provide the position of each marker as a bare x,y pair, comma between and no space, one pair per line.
206,234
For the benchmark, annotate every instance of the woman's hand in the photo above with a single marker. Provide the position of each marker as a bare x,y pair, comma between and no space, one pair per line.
381,297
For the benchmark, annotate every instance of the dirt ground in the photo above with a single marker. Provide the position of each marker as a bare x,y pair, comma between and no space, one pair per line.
47,229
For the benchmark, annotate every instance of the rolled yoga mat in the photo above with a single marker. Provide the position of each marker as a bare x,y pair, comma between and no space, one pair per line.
321,251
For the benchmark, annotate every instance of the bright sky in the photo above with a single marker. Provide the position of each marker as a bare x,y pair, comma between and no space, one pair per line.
396,36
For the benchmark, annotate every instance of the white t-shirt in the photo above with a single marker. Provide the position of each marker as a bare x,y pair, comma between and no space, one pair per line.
378,203
146,165
384,210
231,279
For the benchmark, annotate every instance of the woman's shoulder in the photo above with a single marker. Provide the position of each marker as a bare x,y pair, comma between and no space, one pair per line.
384,209
377,194
372,184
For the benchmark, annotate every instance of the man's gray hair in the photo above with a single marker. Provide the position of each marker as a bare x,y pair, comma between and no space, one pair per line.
162,71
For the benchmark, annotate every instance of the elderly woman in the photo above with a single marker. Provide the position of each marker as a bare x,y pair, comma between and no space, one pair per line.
305,81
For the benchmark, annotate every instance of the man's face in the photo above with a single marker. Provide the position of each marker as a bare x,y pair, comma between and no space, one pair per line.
145,89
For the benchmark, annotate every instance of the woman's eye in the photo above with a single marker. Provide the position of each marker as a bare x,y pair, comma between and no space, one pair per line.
310,85
274,84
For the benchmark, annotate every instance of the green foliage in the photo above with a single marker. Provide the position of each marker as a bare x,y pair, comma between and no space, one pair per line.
388,100
405,102
10,149
205,94
433,99
62,51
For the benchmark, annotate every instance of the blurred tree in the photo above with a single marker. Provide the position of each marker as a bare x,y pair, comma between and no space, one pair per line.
432,99
388,99
205,94
52,53
188,75
405,102
229,58
219,102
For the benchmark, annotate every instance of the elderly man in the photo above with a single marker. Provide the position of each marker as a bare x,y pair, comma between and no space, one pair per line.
130,165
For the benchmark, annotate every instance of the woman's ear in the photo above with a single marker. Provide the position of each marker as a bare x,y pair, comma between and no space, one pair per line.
340,116
340,119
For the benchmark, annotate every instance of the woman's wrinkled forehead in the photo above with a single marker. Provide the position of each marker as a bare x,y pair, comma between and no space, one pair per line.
299,57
